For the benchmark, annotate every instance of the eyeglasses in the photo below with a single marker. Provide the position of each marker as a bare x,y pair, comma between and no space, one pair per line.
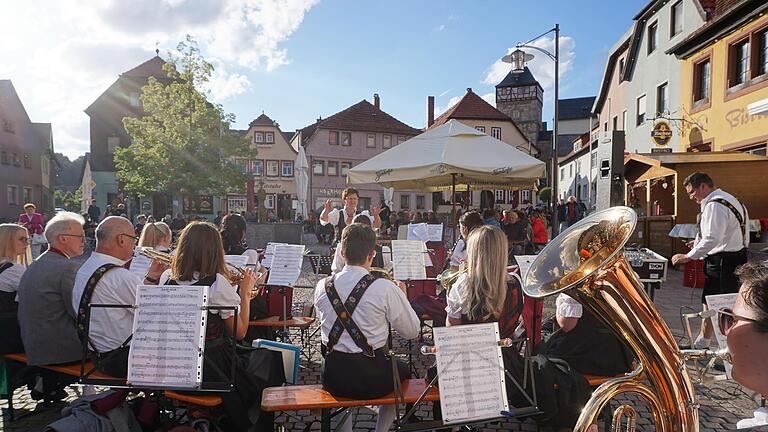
135,239
74,235
726,319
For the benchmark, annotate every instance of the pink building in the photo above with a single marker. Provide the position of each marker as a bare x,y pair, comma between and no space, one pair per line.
343,140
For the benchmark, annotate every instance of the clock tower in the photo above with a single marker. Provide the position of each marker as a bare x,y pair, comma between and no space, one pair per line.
520,97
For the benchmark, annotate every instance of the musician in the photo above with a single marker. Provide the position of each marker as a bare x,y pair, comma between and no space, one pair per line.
467,223
339,218
721,241
156,235
357,367
233,228
103,279
199,260
14,256
383,258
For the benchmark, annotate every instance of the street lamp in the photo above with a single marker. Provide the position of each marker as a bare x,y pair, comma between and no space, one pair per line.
518,58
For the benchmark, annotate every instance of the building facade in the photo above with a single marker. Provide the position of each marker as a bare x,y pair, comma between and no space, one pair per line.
575,177
27,164
345,139
724,82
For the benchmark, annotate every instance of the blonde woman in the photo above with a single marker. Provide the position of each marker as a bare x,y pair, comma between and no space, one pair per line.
14,256
486,292
156,235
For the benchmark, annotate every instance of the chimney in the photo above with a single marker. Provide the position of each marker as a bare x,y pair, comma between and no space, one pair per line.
376,101
430,111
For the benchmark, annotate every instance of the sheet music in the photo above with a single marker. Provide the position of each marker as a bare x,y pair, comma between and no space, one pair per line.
524,263
408,260
237,260
168,336
435,232
286,264
269,252
471,372
418,232
139,265
716,302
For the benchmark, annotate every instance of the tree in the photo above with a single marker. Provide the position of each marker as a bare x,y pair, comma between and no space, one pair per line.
545,194
184,143
68,200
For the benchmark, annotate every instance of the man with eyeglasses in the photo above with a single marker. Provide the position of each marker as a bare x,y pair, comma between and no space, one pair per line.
721,241
103,279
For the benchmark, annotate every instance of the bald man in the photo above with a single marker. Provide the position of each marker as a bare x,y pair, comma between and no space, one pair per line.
104,279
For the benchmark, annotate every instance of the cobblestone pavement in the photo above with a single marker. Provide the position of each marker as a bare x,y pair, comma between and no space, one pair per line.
722,403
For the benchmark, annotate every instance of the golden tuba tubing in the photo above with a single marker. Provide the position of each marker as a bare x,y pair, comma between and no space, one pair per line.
587,263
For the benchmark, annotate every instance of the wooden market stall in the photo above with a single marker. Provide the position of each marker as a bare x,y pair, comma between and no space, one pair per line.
654,183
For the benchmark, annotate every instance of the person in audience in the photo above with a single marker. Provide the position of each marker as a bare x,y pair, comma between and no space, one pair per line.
539,228
468,222
46,317
490,217
14,258
357,367
156,235
233,228
103,279
34,222
515,232
141,220
393,227
199,260
382,260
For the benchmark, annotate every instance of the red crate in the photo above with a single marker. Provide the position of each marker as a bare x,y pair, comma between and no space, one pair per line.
694,274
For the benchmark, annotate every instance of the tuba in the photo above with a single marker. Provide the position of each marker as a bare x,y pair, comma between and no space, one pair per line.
587,263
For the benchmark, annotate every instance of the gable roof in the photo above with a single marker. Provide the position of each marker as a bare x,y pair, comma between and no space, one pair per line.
8,96
608,74
152,67
262,120
362,116
575,108
523,78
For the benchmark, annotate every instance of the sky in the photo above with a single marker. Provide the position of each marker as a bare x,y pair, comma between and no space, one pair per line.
297,60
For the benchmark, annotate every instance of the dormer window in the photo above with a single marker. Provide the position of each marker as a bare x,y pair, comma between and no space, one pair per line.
270,137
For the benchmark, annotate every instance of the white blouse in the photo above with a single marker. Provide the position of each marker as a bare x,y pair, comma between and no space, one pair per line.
568,307
459,253
10,277
221,293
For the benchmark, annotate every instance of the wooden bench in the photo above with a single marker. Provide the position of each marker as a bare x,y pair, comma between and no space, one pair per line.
313,397
203,400
274,321
597,380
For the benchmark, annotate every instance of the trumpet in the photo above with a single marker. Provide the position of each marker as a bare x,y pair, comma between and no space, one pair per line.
378,271
166,258
448,277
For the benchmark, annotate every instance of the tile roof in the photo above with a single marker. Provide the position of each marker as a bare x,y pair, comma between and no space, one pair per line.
288,135
471,106
362,116
575,108
152,67
518,79
262,120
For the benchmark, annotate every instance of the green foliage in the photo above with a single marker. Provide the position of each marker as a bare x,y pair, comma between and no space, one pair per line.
545,194
68,200
184,143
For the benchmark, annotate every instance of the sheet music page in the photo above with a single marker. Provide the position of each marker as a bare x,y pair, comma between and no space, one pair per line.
408,259
716,302
168,336
471,372
435,232
237,260
139,265
418,232
286,264
524,263
269,252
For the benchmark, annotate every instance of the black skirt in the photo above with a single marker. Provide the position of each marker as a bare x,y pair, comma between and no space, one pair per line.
590,350
358,376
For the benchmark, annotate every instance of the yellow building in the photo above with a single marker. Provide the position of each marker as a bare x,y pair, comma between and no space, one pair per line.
724,82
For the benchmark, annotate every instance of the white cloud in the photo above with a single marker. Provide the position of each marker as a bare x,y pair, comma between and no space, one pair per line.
66,53
542,67
490,98
440,109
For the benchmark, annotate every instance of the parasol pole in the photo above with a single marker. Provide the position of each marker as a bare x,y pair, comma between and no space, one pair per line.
453,205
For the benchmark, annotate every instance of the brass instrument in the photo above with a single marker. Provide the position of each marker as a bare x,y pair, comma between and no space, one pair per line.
166,258
378,271
587,263
448,277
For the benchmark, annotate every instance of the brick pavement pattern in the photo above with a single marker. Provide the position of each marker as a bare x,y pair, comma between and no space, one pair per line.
722,403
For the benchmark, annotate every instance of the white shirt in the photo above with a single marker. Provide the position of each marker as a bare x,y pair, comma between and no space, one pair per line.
10,277
459,253
720,230
382,302
567,307
221,293
339,262
333,216
109,327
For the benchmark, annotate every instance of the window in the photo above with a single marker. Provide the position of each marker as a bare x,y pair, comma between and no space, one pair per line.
4,157
333,168
624,120
499,196
13,198
270,137
701,81
738,60
318,167
44,161
387,141
496,132
525,195
16,160
135,102
615,123
269,201
345,166
653,40
593,160
401,139
272,168
242,164
605,168
27,161
237,204
762,53
8,126
640,110
570,170
346,139
480,128
27,192
371,143
113,142
258,137
562,173
287,168
605,126
419,202
758,150
621,68
676,19
662,99
333,138
404,202
257,168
